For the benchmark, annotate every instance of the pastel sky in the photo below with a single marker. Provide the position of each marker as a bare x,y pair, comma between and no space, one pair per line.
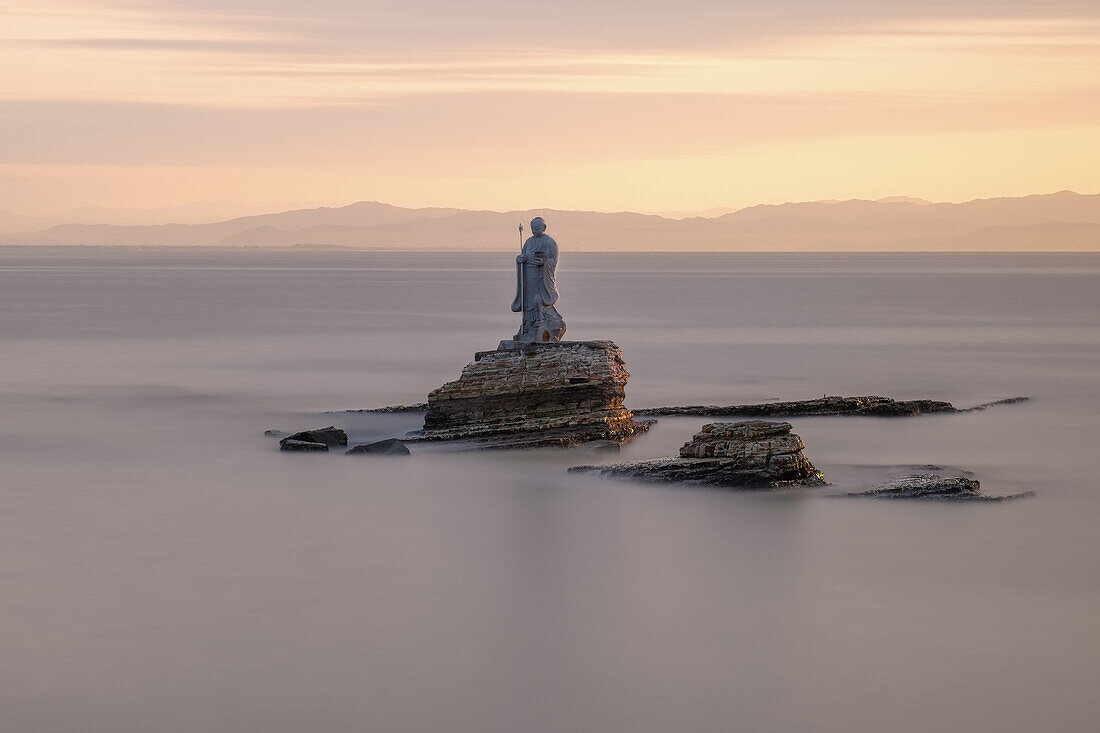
647,106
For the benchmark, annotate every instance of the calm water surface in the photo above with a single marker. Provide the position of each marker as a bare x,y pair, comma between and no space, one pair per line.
165,569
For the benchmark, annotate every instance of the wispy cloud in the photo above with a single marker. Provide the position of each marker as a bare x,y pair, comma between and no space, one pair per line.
407,86
253,56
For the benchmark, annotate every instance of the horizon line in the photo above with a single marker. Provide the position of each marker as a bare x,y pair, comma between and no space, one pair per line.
417,250
673,214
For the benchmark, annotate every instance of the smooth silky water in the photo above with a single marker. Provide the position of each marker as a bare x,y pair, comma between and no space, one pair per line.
164,568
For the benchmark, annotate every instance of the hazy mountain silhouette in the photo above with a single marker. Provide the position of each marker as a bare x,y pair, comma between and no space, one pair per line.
12,222
1058,221
197,212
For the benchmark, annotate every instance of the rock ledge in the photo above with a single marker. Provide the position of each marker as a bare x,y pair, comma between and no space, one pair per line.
872,405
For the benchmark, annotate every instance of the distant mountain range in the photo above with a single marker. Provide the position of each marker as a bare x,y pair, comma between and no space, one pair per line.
197,212
1063,221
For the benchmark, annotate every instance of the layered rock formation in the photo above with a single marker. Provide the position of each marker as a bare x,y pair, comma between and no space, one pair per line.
536,394
752,454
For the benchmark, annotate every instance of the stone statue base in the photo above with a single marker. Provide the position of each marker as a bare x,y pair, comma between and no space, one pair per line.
531,394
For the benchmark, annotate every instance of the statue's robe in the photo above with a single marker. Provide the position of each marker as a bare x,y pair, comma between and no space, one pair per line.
537,291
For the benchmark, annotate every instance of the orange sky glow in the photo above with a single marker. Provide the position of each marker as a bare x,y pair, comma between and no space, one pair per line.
670,107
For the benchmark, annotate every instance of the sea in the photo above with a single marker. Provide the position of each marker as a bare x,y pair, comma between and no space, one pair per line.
164,568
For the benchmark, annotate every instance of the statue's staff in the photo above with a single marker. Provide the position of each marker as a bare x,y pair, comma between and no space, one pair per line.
522,285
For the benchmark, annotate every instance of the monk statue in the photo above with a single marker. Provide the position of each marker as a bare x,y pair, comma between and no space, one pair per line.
536,291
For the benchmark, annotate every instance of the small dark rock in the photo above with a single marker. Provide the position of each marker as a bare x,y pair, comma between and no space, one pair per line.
275,433
301,445
329,436
389,447
932,486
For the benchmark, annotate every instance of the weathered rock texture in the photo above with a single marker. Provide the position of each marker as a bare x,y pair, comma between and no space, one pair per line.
933,486
875,406
541,394
752,454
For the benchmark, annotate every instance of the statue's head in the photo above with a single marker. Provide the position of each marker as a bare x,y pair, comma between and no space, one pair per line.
538,226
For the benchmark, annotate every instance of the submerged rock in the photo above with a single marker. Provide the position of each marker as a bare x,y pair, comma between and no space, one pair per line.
535,394
272,433
936,487
301,445
752,454
388,447
326,436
